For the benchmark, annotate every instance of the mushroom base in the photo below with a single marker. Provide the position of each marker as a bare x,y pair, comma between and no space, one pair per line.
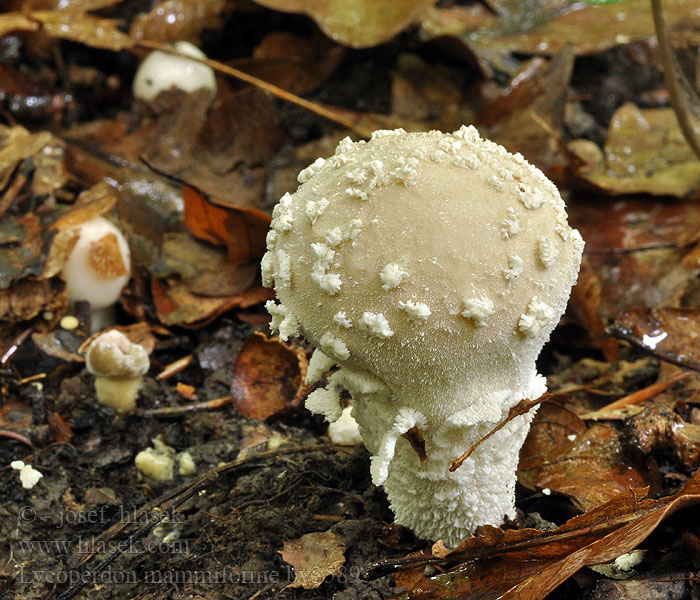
118,393
424,495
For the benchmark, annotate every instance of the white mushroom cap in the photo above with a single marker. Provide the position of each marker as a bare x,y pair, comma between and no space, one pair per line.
88,274
431,268
160,71
449,259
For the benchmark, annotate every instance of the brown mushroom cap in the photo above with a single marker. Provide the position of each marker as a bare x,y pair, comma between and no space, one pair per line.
112,354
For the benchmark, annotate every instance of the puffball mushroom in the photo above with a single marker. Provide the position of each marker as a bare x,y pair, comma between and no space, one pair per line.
97,269
160,71
118,366
430,268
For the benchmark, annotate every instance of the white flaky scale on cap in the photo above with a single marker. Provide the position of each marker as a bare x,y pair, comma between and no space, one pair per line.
434,310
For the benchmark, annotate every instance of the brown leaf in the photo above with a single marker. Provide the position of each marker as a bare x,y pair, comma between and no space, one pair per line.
176,305
26,298
635,248
586,464
314,557
91,203
294,63
533,127
645,152
175,20
22,248
84,28
590,29
668,333
15,415
357,23
268,377
61,431
530,563
16,145
658,429
585,298
219,151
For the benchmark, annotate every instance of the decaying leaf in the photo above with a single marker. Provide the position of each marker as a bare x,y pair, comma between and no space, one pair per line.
220,151
176,305
659,429
530,563
16,145
589,28
645,152
668,333
586,464
22,248
175,20
357,23
293,62
314,556
26,298
268,377
636,248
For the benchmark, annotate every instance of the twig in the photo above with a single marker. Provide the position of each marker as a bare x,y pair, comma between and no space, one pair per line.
175,367
170,411
522,407
672,73
278,92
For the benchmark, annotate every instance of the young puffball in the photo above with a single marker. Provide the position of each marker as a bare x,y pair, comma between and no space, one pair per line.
118,366
431,268
160,71
97,269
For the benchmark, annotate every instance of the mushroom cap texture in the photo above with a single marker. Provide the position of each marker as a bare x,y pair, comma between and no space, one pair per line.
438,263
112,354
82,281
160,71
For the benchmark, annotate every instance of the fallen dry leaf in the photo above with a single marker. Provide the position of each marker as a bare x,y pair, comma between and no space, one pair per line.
671,334
357,23
314,557
26,298
23,248
530,563
645,152
586,464
16,145
268,377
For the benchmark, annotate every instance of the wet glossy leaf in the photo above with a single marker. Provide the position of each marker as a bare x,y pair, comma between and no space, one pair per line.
175,20
636,249
268,377
586,464
357,23
645,152
589,29
314,556
669,333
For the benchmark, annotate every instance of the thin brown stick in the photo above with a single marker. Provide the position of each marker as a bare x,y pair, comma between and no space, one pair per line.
278,92
671,74
522,407
171,411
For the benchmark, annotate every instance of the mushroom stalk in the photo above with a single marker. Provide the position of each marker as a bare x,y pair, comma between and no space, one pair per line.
430,268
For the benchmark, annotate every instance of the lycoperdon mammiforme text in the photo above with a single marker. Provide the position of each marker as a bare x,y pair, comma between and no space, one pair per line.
430,269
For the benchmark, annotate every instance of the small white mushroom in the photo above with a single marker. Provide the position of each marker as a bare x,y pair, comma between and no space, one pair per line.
448,294
118,366
97,269
160,71
28,475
